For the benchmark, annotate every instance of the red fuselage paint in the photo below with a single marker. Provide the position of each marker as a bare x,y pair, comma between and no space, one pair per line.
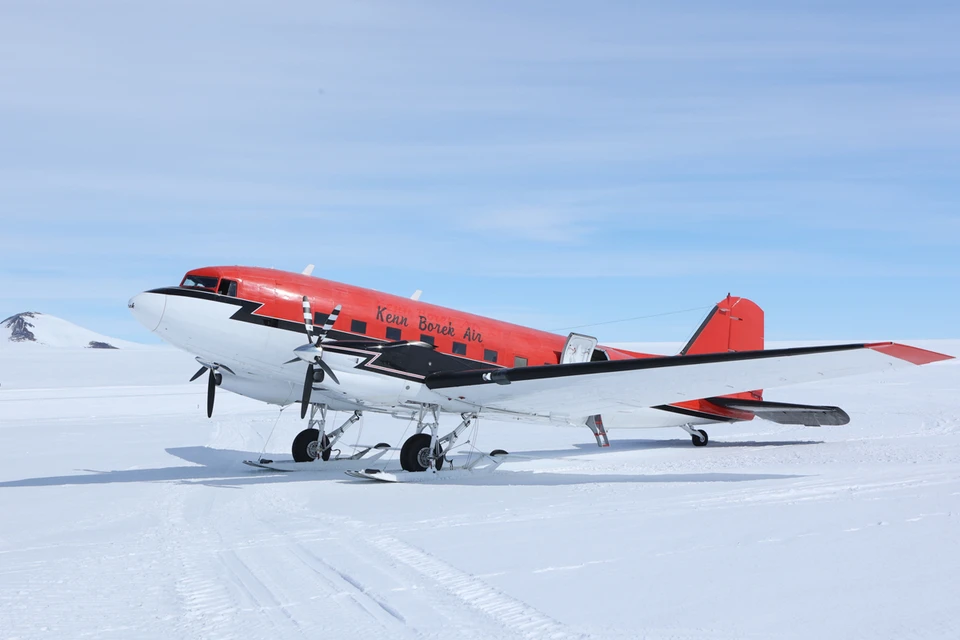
465,335
281,293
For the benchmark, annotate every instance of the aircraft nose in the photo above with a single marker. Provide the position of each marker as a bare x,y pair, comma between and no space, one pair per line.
148,308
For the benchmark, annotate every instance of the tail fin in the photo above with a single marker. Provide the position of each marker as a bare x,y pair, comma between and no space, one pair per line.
734,324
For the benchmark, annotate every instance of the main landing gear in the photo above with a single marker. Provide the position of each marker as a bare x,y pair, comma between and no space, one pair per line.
423,450
699,436
313,442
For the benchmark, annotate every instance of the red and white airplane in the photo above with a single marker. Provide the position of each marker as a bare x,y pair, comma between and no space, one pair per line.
283,337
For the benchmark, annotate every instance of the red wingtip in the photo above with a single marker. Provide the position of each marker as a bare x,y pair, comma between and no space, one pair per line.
913,355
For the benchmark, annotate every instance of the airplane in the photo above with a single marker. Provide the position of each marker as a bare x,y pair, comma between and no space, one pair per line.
282,338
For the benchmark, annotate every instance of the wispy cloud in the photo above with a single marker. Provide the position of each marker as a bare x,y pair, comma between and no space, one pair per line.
703,146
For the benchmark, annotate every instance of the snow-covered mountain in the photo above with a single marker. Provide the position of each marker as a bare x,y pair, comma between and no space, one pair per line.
33,328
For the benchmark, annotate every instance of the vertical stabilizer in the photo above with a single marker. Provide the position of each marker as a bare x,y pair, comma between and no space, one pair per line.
734,324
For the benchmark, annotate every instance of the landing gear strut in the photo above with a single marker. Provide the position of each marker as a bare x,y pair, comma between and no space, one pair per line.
699,436
423,451
313,442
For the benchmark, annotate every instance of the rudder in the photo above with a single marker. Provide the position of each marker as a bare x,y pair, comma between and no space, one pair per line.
734,324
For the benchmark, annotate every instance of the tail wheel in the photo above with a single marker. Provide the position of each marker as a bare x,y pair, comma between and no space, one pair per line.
498,452
308,446
701,440
415,453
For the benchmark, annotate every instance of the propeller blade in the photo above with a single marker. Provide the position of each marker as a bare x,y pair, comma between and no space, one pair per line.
211,392
308,319
326,369
292,361
331,320
307,390
198,374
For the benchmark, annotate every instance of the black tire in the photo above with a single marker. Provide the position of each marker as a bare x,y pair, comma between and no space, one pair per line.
415,450
382,445
697,442
498,452
302,446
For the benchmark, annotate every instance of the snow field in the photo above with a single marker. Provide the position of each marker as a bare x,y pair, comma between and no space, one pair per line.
126,513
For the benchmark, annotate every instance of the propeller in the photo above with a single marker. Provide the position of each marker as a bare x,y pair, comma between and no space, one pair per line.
312,354
213,381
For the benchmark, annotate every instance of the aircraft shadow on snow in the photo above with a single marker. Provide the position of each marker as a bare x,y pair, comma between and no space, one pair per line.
223,468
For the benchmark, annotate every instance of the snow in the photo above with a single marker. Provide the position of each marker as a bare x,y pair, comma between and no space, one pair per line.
126,513
32,329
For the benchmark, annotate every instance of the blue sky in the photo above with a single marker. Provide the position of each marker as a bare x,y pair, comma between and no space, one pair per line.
548,163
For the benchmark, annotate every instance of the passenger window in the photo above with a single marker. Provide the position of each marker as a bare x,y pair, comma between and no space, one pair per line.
425,338
358,326
460,348
519,361
393,333
489,356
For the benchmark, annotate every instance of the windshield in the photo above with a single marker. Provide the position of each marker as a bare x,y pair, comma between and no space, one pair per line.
200,282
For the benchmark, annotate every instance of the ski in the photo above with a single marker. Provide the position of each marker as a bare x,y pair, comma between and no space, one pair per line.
373,474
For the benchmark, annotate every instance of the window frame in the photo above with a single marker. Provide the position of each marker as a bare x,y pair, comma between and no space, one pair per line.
394,334
231,286
487,353
199,285
459,348
358,326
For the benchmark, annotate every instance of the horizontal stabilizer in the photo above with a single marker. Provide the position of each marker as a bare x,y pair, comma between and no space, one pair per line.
786,413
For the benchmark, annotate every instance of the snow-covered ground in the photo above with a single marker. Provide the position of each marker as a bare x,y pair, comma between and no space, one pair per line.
125,513
43,330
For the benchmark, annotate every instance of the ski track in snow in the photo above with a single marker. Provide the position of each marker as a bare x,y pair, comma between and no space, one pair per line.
127,514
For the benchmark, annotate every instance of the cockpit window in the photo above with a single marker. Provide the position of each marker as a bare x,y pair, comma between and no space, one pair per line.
200,282
228,288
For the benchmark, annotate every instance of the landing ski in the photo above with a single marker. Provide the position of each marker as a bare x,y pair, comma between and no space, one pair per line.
336,464
373,474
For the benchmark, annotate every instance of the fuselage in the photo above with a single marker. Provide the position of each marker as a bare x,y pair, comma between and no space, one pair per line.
250,319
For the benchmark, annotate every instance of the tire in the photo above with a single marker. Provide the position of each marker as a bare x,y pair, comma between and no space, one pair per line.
413,452
381,445
697,442
305,446
498,452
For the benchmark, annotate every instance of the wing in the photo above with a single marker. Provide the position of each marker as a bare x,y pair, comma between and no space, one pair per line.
588,388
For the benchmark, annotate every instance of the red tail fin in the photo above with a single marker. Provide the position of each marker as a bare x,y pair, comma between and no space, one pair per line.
735,324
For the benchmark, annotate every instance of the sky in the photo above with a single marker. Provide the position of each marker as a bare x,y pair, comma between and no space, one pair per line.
554,164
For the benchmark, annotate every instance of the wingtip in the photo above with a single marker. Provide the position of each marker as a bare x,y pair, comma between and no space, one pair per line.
913,355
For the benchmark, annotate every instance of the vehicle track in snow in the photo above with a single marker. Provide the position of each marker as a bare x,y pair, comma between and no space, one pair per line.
427,596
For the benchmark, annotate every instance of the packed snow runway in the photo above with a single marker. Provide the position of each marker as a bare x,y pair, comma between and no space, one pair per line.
127,513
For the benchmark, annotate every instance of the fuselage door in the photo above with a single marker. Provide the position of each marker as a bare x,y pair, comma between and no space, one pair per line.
579,348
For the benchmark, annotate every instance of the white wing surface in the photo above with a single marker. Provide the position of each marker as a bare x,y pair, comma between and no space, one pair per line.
583,389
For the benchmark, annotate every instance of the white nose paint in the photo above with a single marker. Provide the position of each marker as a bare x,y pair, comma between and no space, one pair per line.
148,309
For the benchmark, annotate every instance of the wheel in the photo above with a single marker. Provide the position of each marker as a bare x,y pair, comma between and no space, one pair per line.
415,453
498,452
697,441
381,445
306,445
